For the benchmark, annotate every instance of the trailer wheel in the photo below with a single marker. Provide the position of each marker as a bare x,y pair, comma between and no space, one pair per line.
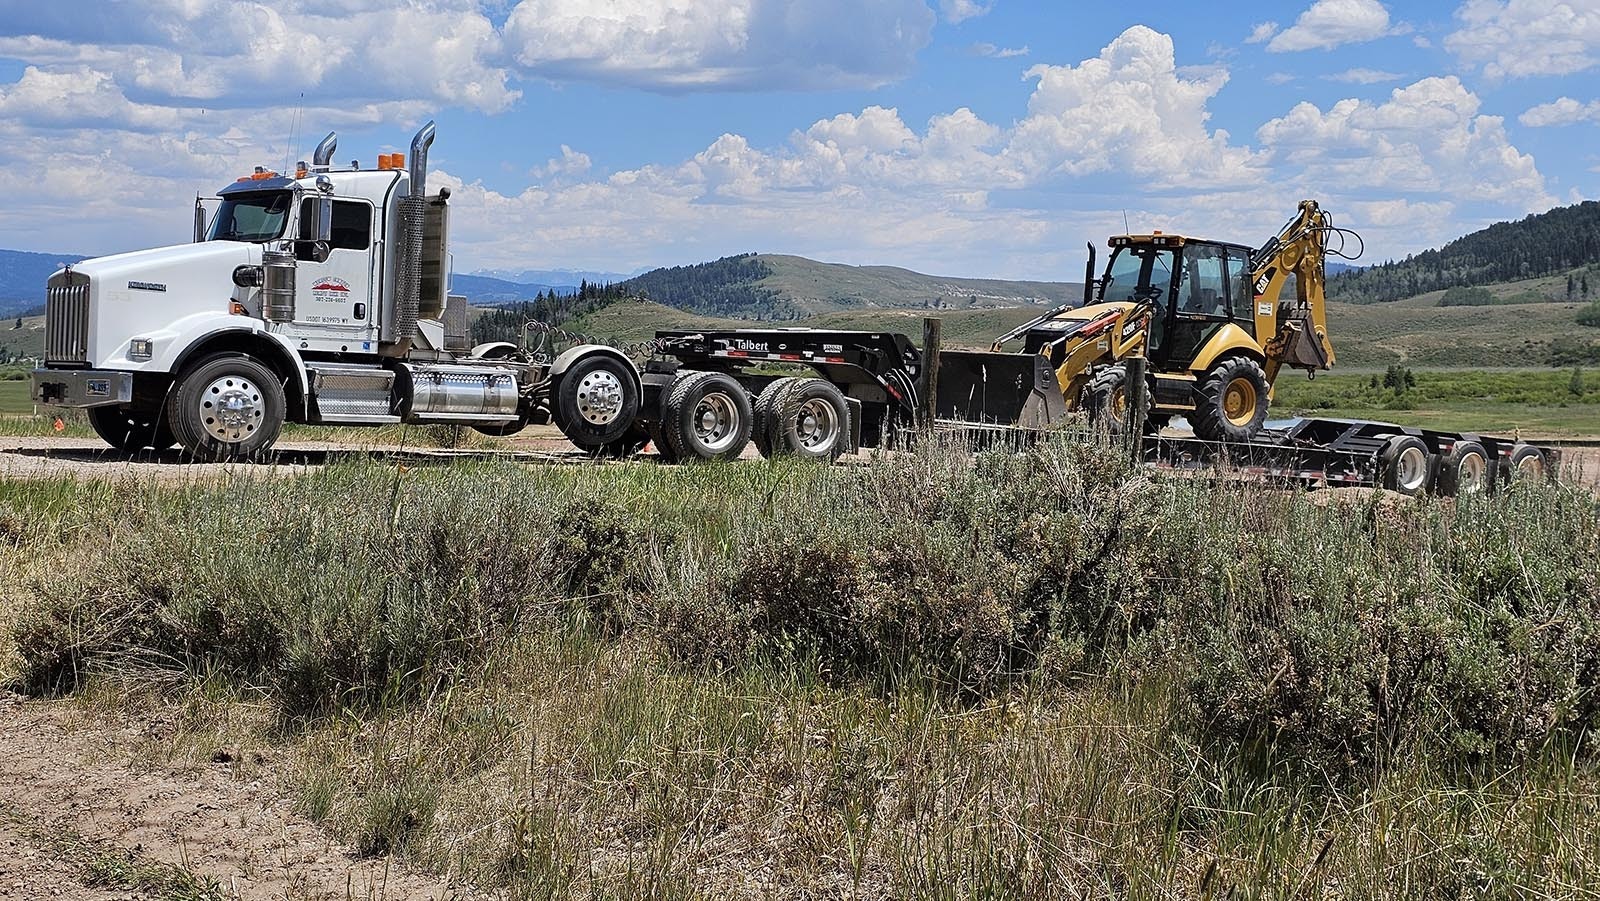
1403,465
810,420
227,408
762,430
1231,403
1465,470
596,401
1528,464
707,416
126,430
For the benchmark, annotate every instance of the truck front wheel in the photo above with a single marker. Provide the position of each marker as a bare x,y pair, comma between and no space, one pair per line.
128,430
596,401
227,408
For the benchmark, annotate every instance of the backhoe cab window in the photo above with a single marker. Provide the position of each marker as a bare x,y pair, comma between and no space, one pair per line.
253,218
1138,273
1203,290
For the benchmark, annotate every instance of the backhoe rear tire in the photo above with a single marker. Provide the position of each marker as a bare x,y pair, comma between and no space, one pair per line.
1231,401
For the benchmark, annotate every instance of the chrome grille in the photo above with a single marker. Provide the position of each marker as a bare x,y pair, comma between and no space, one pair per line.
66,318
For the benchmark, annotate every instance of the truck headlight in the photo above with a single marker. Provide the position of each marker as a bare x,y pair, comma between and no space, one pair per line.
141,349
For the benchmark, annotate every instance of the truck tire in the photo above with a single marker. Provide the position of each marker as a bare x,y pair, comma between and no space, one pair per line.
227,408
1528,464
811,420
1231,401
706,416
1404,465
762,429
1465,470
596,401
126,430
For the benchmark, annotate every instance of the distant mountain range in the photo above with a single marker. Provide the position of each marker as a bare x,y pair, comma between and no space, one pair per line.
22,278
573,277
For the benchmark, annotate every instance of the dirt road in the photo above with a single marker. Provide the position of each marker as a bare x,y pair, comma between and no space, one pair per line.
80,820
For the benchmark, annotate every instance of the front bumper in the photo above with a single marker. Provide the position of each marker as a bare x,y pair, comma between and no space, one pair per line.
81,387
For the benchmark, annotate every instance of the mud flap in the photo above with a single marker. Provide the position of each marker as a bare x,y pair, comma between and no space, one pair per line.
999,388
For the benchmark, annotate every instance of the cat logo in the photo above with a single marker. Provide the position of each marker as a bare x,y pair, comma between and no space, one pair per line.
1264,281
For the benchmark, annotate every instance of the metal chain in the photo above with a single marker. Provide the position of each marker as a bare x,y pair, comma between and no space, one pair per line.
550,334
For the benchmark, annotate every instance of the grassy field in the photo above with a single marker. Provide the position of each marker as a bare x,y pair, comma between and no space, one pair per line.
1004,675
1537,402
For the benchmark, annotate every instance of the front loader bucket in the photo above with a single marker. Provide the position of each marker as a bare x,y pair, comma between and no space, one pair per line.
999,388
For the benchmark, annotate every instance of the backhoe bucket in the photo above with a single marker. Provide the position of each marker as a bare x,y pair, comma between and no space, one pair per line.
1301,347
999,388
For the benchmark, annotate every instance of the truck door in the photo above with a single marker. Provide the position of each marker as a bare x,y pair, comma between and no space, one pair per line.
335,296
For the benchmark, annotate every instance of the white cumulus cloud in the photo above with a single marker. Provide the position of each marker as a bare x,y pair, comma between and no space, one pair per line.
679,45
1563,111
1428,138
1524,38
960,10
1330,23
1364,76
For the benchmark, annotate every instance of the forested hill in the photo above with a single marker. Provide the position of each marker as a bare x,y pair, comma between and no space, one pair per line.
1549,243
776,286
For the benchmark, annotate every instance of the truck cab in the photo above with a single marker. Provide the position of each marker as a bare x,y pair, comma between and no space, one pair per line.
320,296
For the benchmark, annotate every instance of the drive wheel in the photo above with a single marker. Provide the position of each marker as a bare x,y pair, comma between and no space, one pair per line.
810,419
1232,401
707,416
761,431
227,408
129,431
1106,399
1465,470
1404,464
596,401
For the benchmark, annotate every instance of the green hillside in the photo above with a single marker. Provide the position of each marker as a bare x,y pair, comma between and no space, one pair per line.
1563,241
780,287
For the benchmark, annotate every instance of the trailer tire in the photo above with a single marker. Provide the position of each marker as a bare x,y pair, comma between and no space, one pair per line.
130,431
762,429
596,401
1465,470
1528,463
707,416
810,420
1404,464
227,407
1231,401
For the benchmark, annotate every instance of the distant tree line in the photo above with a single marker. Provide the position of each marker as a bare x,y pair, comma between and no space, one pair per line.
506,323
1539,245
727,287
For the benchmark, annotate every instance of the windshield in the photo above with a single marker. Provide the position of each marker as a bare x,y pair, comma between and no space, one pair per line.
252,218
1138,273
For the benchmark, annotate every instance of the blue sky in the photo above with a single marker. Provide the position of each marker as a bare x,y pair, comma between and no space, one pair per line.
964,137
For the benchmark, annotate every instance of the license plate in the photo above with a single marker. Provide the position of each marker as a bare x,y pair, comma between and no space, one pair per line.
98,387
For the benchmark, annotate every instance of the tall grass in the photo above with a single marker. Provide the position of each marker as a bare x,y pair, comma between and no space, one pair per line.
1034,674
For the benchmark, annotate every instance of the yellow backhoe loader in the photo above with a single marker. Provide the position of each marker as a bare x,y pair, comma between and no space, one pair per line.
1206,314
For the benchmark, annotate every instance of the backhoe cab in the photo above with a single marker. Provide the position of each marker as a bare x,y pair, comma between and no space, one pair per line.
1206,314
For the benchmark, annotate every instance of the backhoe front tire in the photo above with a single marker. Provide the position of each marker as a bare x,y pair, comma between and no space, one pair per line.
130,431
1231,402
1106,399
227,408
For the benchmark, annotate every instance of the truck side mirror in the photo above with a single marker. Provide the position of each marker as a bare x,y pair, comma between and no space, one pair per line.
316,234
199,220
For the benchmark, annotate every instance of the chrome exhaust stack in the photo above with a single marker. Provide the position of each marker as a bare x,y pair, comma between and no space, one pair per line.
323,155
413,226
419,159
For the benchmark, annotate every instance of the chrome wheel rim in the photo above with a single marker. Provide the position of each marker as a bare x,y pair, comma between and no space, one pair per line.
599,397
231,409
716,422
816,425
1411,469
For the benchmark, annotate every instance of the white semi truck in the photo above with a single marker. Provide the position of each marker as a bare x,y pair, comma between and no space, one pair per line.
316,297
